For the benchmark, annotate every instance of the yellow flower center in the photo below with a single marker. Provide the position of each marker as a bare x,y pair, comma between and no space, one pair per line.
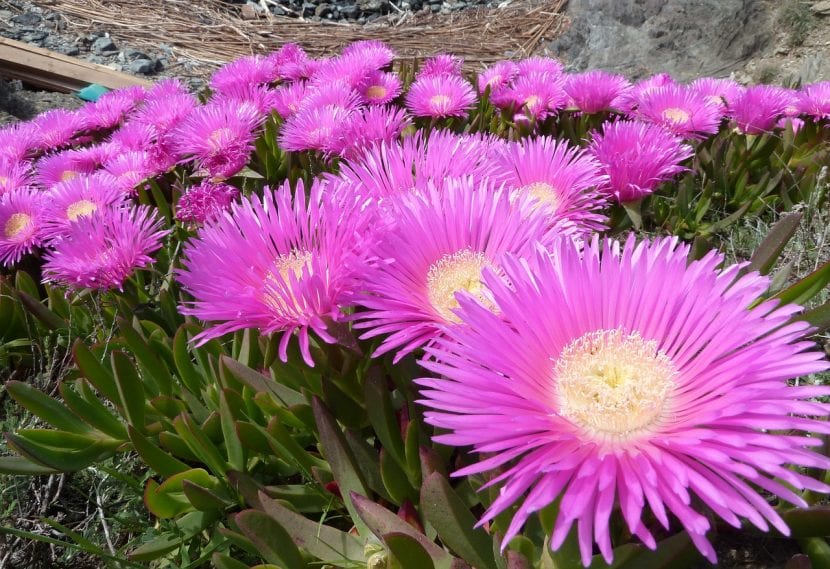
613,385
531,103
457,272
79,209
219,137
376,92
17,224
543,194
676,116
67,175
439,102
292,263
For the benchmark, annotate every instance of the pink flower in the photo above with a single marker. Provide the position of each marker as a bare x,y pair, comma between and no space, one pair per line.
756,109
626,376
55,168
814,100
219,137
111,108
129,169
14,175
538,65
280,264
57,128
349,70
497,77
637,157
562,181
538,95
290,62
717,91
680,110
371,126
632,99
439,244
380,88
596,91
289,98
21,224
82,196
376,53
440,96
320,129
102,251
259,100
440,65
250,70
204,202
18,141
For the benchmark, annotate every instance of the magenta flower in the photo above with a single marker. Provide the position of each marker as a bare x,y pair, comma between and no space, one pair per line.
440,243
497,77
626,375
165,107
681,110
21,223
380,88
250,70
289,98
538,95
332,94
290,62
82,196
348,70
564,182
129,169
814,100
18,141
204,202
281,264
720,92
219,137
14,175
259,100
369,127
637,157
596,91
386,170
642,88
102,251
756,109
111,108
440,96
320,129
440,65
55,168
133,136
538,65
57,128
378,54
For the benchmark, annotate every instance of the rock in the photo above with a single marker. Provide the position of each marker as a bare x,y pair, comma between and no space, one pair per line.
814,69
687,38
821,8
322,10
104,46
27,19
135,54
142,66
70,50
372,5
33,37
349,11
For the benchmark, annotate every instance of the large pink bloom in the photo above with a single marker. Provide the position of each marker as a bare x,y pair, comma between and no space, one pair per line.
441,241
21,223
637,157
102,251
280,264
814,100
596,91
564,181
82,196
757,109
625,375
681,110
440,96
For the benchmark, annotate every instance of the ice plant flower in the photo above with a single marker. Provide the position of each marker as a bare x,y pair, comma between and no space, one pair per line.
290,62
102,251
13,175
289,98
538,65
627,376
82,196
440,243
111,108
18,141
440,65
562,180
596,91
377,53
280,264
204,201
130,169
681,110
637,157
380,88
21,223
440,96
57,128
60,167
814,100
250,70
538,95
640,89
250,99
219,137
720,92
320,129
498,78
369,127
756,109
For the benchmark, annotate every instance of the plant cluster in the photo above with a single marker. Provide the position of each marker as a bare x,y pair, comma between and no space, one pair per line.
357,313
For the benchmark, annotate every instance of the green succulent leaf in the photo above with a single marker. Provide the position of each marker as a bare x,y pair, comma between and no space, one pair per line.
46,408
18,465
163,463
408,551
271,540
454,523
130,389
188,526
808,287
222,561
95,372
767,253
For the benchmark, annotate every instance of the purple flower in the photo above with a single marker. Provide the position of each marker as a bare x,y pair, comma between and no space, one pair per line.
204,202
82,196
814,100
756,110
440,96
21,223
625,376
681,110
596,91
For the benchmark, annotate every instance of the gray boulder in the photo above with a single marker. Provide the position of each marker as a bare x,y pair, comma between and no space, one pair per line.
687,38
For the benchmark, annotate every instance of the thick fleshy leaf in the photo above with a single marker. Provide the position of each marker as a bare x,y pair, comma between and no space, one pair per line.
46,408
806,288
163,463
326,543
675,552
222,561
767,253
454,523
62,459
408,551
189,526
382,416
92,410
149,362
130,389
271,540
94,371
18,465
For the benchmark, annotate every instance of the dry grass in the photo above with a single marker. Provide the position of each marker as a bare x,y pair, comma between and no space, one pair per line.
211,31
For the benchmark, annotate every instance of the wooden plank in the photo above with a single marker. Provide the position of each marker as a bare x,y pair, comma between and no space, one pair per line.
55,71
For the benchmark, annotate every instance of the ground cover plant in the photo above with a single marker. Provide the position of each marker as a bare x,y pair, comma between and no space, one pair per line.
357,313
